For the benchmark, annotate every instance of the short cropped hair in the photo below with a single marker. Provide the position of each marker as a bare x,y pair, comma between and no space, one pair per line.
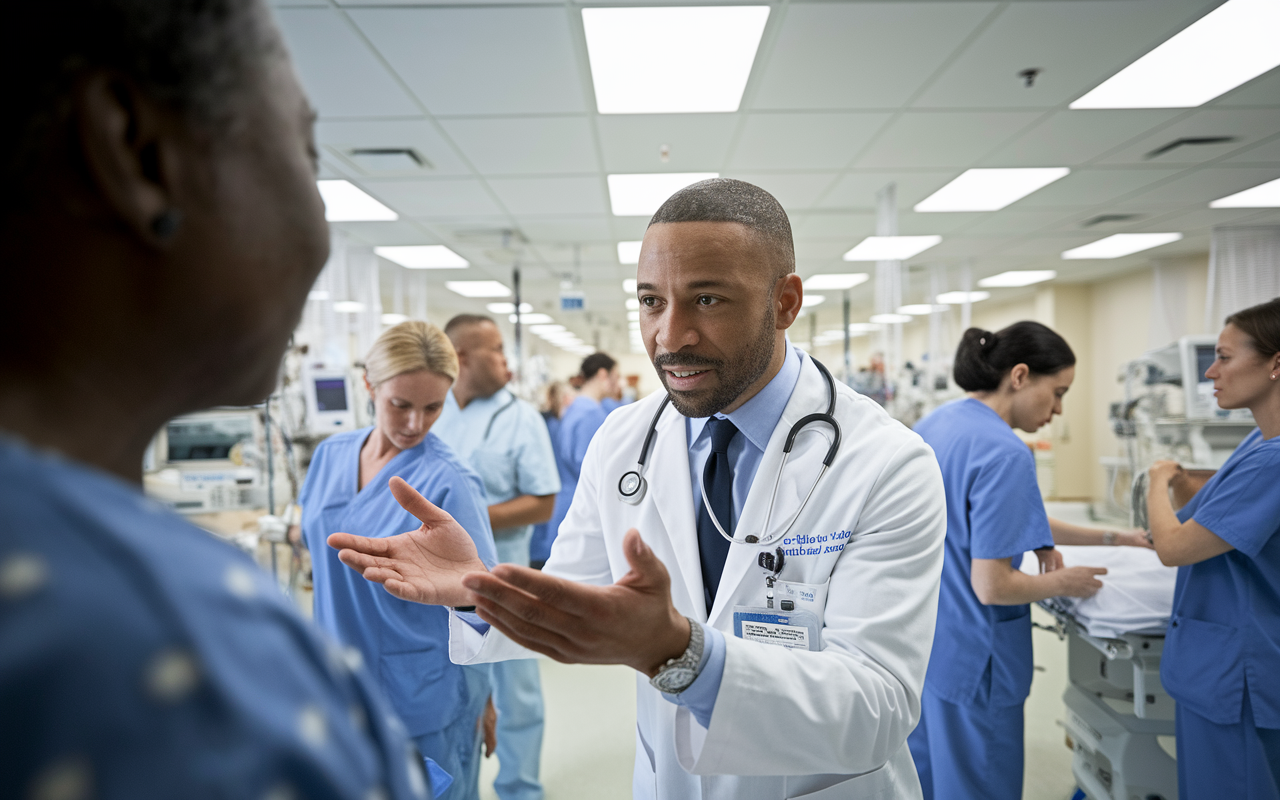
729,200
194,56
409,347
456,325
594,363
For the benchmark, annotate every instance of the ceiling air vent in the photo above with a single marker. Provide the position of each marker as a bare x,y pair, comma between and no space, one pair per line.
1187,141
389,159
1106,219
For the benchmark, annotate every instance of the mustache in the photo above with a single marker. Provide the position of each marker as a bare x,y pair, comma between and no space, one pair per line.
685,360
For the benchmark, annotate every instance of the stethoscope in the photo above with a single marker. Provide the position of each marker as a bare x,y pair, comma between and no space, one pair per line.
632,486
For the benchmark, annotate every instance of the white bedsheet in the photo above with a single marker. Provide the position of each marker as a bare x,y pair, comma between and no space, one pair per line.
1136,594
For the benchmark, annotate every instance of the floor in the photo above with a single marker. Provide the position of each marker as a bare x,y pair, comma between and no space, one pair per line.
590,738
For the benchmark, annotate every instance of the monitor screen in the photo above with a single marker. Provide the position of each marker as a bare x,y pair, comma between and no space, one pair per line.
1206,354
207,438
331,394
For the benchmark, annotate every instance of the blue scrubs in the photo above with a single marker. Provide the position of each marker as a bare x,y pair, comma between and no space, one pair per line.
542,531
141,657
580,422
505,441
969,740
406,645
1222,652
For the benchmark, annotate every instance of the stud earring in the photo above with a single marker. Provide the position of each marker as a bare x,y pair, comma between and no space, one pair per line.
166,224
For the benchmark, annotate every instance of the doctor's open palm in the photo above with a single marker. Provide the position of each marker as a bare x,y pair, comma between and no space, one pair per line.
424,565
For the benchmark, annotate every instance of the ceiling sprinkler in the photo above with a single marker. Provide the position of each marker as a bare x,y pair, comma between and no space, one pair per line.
1029,76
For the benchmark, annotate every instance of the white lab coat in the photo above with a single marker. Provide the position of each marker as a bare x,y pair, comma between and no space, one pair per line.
787,723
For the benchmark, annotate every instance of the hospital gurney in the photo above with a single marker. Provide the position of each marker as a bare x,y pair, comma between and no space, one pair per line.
1115,705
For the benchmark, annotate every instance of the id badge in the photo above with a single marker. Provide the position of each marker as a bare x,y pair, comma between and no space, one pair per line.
794,630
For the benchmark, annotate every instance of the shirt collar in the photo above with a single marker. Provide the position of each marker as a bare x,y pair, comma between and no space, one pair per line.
479,404
758,417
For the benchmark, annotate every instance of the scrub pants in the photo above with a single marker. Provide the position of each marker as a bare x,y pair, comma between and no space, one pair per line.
1239,761
968,752
517,695
456,747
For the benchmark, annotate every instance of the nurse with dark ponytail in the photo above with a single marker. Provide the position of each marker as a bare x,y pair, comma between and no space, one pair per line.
969,743
1221,659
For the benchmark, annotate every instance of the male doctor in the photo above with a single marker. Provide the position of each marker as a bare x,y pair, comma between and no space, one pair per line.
657,586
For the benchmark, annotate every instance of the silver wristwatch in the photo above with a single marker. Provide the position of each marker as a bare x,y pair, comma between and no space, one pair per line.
679,673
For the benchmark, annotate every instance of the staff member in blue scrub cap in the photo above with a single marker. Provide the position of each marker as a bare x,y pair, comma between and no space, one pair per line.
969,742
353,482
1222,655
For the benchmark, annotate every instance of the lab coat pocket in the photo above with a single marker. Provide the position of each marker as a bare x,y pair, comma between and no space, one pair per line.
877,785
1011,661
811,597
425,692
1202,670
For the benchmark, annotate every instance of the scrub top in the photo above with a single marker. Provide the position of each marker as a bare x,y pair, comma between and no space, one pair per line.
504,439
1224,635
405,645
994,510
142,657
580,422
542,531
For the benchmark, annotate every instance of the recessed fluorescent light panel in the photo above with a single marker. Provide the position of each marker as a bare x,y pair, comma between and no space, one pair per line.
683,60
889,319
1266,195
423,256
318,294
532,319
990,189
508,308
639,195
835,281
478,288
921,309
1234,43
629,285
890,248
960,298
393,319
1014,278
811,300
348,307
633,304
1121,244
346,202
629,252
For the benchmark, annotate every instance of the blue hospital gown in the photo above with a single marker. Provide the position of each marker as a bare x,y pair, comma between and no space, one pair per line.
141,657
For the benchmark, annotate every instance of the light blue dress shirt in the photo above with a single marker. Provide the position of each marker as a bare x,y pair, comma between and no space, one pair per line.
756,420
506,442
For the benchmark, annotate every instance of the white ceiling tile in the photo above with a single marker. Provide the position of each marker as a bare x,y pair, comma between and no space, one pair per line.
840,226
858,189
1071,138
1200,186
1087,188
342,77
804,141
464,61
1200,220
399,232
943,139
860,55
525,145
1261,91
1011,222
567,229
695,142
795,190
433,198
551,196
628,229
419,134
1053,37
1248,125
1268,153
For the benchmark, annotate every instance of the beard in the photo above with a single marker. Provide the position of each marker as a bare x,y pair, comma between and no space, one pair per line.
736,375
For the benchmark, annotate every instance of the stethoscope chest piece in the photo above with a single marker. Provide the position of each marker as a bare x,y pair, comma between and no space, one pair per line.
631,487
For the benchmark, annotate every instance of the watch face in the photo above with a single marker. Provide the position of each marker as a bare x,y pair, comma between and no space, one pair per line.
674,680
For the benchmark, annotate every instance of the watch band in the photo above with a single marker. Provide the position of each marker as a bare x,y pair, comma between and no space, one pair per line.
1109,538
679,673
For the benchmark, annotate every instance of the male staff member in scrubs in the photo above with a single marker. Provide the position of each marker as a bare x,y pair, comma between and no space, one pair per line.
578,424
505,441
811,697
1222,654
161,228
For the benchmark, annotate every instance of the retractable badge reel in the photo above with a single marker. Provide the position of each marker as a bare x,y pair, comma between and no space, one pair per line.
783,626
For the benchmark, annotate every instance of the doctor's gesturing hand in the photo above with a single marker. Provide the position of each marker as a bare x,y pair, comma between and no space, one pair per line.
425,565
632,622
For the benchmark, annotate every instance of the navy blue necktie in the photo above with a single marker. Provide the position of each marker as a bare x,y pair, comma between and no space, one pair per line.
717,480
